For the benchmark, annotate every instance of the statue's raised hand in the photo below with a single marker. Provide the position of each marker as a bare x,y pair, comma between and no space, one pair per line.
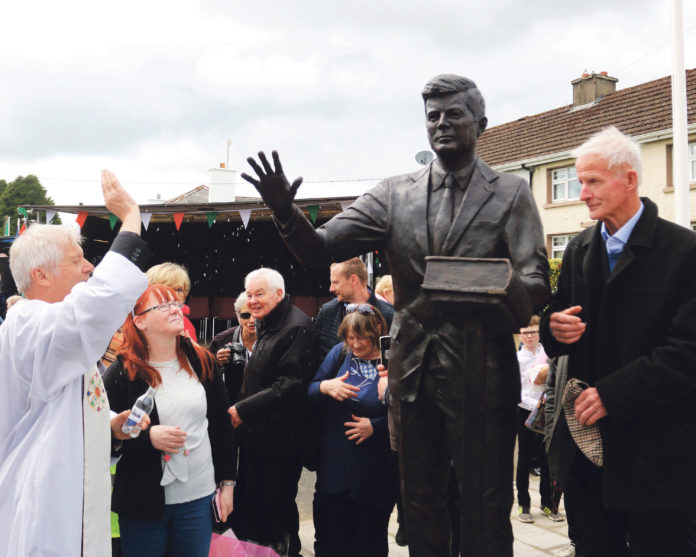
274,187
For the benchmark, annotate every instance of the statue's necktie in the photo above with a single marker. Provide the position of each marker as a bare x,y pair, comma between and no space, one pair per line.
443,220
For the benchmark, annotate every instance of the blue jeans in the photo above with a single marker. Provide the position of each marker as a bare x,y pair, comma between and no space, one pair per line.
184,531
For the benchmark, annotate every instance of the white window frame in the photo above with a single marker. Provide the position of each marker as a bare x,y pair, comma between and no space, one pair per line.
558,250
562,179
692,161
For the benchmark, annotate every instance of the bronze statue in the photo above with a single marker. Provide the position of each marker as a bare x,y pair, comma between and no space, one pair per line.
457,385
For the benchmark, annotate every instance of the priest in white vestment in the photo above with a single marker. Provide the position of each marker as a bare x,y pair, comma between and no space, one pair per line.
54,415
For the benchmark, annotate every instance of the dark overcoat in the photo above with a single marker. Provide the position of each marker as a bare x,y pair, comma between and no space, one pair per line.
639,351
272,402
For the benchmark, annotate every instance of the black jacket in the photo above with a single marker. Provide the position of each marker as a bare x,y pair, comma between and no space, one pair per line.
137,490
233,372
272,402
639,351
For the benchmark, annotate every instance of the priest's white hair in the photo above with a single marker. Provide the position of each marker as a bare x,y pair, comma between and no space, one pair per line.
40,245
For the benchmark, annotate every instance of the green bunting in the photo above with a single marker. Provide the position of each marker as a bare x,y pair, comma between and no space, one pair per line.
22,211
211,218
313,212
113,219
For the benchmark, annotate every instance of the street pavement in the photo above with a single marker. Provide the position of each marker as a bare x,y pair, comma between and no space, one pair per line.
541,538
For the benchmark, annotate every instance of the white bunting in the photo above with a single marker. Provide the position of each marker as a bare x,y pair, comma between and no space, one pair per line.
145,217
50,213
246,215
369,266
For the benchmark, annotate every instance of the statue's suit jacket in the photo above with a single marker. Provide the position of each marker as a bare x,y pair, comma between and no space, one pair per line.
498,218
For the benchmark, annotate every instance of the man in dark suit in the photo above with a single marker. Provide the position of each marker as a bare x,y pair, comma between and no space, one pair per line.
625,313
457,386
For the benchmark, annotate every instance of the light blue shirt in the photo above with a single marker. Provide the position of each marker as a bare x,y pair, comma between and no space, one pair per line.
615,244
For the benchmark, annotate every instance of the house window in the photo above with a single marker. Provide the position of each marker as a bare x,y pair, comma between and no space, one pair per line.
559,244
692,161
564,184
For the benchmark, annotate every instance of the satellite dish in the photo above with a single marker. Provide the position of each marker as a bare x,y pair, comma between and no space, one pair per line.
424,157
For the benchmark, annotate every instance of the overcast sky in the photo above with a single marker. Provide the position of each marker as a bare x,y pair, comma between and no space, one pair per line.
153,89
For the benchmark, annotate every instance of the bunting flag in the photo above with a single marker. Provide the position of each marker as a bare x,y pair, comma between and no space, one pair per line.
178,219
345,204
113,219
19,224
313,212
211,218
24,227
22,211
81,218
8,221
50,213
246,215
369,267
145,217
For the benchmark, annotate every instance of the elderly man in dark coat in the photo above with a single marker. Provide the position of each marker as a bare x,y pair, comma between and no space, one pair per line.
457,385
625,313
270,413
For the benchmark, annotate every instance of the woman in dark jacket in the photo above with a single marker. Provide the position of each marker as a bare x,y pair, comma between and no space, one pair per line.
356,475
166,477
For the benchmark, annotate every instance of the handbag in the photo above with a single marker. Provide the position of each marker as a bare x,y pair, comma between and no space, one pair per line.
227,545
536,421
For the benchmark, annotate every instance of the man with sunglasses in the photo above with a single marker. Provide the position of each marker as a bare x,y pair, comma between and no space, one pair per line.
54,414
349,285
457,394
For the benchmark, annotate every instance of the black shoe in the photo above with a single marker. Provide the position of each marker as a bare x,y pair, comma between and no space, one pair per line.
400,537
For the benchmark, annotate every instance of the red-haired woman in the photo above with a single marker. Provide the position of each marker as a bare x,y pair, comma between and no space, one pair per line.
166,477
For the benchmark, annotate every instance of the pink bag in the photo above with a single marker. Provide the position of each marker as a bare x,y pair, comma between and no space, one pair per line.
227,545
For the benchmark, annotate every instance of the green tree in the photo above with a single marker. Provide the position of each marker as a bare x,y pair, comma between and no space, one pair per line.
24,190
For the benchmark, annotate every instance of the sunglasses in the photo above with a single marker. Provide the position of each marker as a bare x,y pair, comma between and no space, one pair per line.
362,309
163,307
245,315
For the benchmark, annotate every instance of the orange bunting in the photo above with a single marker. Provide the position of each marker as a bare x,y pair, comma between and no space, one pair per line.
81,218
178,219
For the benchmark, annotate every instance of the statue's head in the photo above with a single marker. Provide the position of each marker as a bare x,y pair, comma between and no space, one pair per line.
455,116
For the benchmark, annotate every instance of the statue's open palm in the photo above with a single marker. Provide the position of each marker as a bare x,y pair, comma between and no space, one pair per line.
274,187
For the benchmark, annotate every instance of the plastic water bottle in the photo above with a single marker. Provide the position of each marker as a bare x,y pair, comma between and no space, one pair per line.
143,405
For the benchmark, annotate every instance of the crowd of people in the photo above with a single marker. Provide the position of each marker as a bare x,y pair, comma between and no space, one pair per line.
609,366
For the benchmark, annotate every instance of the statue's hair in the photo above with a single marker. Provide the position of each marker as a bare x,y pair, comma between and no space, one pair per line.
274,280
614,147
40,245
448,84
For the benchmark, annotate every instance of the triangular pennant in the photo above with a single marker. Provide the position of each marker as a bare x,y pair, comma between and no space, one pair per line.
145,217
211,218
178,219
50,213
345,204
113,219
246,215
24,227
313,212
7,226
81,218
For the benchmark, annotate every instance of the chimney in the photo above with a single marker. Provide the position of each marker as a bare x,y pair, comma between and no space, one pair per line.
221,187
590,87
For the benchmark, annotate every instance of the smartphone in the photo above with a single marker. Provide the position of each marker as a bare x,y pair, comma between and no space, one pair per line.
384,346
217,511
